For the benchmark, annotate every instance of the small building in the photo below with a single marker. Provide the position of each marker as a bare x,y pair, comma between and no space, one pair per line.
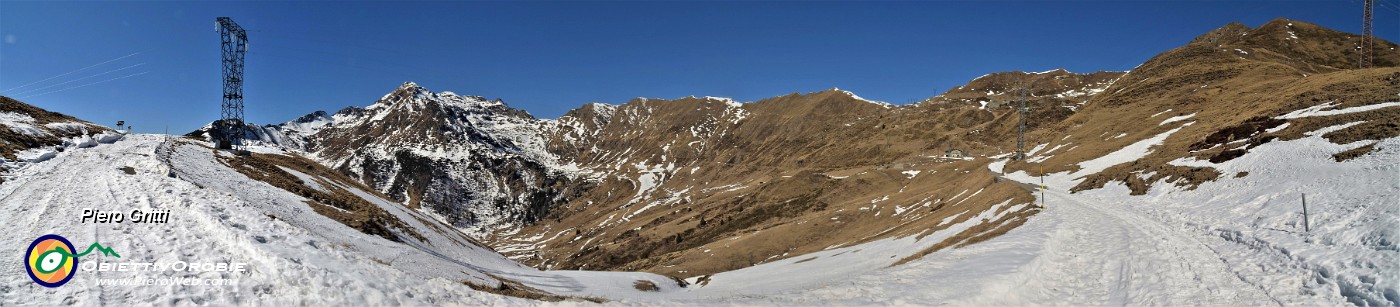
954,153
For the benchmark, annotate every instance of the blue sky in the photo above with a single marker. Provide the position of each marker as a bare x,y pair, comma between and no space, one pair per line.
160,60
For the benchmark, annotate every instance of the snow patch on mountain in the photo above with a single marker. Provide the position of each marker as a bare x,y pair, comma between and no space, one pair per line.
853,95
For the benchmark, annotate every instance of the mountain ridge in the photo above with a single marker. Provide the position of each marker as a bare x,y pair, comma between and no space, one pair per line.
602,170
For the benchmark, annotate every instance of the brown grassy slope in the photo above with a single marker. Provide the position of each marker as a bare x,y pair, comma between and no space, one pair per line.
753,190
998,89
749,215
332,200
767,186
12,141
1227,78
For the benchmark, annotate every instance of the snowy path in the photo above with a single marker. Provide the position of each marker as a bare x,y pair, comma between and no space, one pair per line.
1233,241
1104,254
1076,252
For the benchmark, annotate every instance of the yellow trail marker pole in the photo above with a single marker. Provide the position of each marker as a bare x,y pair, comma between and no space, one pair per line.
1042,186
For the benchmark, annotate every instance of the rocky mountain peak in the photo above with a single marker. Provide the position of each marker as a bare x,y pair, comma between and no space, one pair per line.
423,99
410,86
311,117
406,92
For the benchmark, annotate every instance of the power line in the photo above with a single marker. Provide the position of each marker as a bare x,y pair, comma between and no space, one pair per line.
71,72
84,85
76,80
1393,7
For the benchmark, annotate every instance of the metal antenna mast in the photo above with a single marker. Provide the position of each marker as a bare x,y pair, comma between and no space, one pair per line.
229,130
1021,128
1368,40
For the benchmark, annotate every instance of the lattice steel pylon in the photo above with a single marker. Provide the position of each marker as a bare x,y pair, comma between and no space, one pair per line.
1368,39
228,132
1021,91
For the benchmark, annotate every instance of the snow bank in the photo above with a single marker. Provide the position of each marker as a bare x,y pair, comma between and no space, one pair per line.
1126,154
35,155
109,137
21,123
81,142
1317,110
67,126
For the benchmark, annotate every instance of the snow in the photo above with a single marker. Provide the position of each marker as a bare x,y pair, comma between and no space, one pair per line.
1160,113
1254,223
1038,159
724,188
950,219
21,123
309,127
1090,91
911,173
109,137
1176,118
81,142
308,180
1035,149
1318,110
1233,241
1126,154
474,131
1330,129
727,101
780,280
294,256
1277,129
36,154
853,95
66,126
604,110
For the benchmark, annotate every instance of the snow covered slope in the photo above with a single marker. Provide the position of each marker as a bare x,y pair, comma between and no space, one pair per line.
1234,241
1243,239
474,163
29,134
294,255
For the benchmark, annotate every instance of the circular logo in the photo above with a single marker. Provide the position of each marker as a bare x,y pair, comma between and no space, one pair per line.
49,261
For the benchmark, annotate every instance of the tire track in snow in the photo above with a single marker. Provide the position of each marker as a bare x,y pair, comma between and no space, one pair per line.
1160,266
